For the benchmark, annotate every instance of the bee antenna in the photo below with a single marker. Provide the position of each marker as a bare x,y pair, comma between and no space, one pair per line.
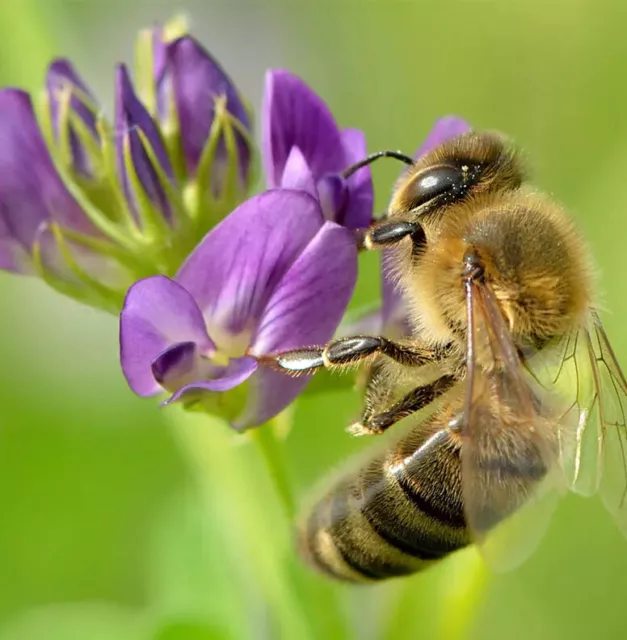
397,155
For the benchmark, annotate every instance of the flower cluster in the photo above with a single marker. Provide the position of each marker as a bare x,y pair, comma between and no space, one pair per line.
92,205
147,216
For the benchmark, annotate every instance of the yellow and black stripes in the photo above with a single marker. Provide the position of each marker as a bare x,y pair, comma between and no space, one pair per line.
386,520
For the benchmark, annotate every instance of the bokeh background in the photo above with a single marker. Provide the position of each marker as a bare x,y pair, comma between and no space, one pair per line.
106,529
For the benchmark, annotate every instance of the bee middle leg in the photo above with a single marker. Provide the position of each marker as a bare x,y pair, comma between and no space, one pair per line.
378,414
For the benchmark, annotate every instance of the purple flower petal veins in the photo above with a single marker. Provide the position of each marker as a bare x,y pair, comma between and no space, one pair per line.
63,83
131,118
197,82
295,117
109,204
272,276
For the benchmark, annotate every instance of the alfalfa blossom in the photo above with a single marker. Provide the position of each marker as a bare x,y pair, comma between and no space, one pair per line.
273,275
303,147
90,204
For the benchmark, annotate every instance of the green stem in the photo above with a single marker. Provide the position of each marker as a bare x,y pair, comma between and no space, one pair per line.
463,589
274,458
441,603
254,523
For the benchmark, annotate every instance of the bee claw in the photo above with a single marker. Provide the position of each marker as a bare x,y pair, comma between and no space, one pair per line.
357,429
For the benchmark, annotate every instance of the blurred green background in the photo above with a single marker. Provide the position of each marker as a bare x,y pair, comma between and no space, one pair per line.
105,531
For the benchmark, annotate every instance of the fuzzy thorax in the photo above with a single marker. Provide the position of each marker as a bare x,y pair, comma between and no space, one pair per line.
534,259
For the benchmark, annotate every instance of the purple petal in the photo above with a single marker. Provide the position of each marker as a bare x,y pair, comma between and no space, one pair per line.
333,195
30,189
270,392
305,309
294,116
308,303
238,371
197,80
359,204
297,174
60,76
444,129
157,314
131,116
233,272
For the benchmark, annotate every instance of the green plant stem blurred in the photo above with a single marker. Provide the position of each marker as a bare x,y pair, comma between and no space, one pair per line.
443,602
223,466
463,588
272,452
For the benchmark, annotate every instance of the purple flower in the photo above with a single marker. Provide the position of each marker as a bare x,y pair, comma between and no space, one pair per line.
32,195
140,152
73,114
272,276
92,206
213,120
302,147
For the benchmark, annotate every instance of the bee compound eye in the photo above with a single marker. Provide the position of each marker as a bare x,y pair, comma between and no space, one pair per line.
446,182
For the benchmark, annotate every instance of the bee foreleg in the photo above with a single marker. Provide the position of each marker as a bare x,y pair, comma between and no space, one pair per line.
374,421
385,234
349,352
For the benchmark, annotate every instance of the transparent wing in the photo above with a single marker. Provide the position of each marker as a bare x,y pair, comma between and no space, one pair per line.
593,429
608,422
565,371
511,474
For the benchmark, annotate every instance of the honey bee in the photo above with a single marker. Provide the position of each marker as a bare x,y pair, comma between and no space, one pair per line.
507,380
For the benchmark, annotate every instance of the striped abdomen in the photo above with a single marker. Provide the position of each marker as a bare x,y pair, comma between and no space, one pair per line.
403,509
396,514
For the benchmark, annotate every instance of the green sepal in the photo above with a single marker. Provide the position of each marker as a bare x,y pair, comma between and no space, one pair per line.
145,59
91,146
124,215
154,227
226,405
144,70
176,27
69,121
93,213
206,207
86,289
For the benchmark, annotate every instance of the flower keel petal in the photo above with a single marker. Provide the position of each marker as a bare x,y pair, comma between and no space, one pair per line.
237,372
360,201
158,313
